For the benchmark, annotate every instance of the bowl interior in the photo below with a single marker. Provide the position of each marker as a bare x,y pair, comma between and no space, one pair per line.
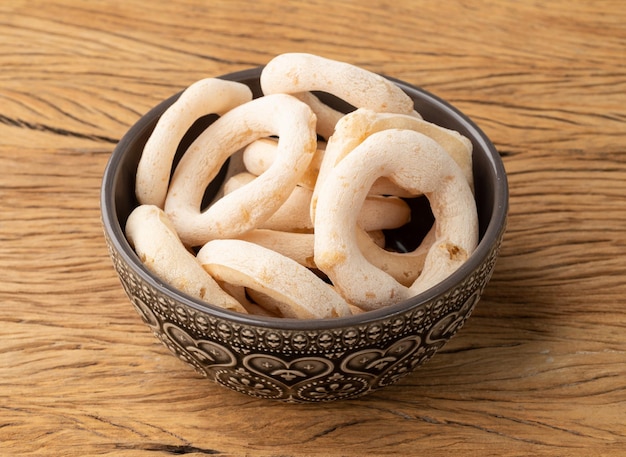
491,191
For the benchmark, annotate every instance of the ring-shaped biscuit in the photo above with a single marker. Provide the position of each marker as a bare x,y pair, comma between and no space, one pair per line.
207,96
296,246
297,290
361,123
327,117
299,247
259,155
418,164
155,241
242,210
377,213
301,72
404,267
240,294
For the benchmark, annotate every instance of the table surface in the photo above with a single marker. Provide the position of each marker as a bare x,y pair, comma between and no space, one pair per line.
539,369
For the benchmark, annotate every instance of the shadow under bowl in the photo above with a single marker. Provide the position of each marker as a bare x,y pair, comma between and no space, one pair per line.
307,360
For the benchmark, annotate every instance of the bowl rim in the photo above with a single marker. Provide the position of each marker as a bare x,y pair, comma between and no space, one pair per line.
493,231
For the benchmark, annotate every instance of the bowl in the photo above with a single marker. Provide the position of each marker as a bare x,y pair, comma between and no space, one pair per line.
307,360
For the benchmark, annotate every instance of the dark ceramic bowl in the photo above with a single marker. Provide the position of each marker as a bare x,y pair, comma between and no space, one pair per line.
308,360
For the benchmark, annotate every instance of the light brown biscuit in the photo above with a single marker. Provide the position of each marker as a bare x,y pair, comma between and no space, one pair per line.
242,210
207,96
156,243
297,291
416,163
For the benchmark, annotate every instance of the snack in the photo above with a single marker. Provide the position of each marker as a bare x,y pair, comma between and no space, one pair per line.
298,228
260,154
416,163
294,245
327,117
207,96
155,240
378,212
294,73
236,213
299,247
296,290
361,123
352,129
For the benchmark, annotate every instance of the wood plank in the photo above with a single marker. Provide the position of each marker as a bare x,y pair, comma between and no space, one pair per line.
539,369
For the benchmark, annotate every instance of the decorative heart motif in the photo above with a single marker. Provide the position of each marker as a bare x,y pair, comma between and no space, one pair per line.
245,382
406,366
145,312
288,372
333,387
375,362
448,325
201,353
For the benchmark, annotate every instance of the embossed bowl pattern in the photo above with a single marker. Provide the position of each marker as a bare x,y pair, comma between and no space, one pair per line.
306,360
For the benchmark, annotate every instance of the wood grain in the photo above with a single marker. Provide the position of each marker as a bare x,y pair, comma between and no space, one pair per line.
540,368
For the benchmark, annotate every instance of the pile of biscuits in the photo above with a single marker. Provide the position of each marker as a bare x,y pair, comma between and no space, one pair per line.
297,228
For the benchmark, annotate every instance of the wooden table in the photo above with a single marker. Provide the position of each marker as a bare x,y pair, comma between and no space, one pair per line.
539,369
